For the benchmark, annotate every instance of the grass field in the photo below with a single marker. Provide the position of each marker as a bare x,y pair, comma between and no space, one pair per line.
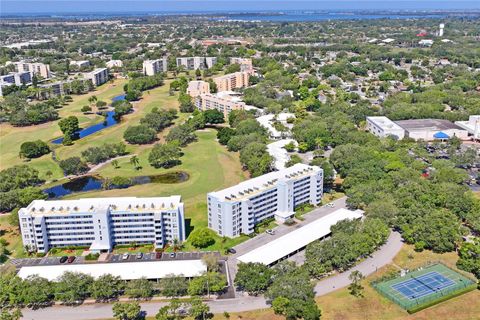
12,235
12,137
341,305
210,167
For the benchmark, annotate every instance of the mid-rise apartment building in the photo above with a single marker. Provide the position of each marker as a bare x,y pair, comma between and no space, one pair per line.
17,78
245,63
36,68
196,88
222,103
236,210
152,67
194,63
101,223
232,81
98,76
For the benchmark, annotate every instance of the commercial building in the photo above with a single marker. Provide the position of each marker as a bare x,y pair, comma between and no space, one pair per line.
152,67
151,270
472,126
383,127
238,209
98,76
194,63
432,129
114,64
232,81
297,240
36,68
222,102
101,223
197,88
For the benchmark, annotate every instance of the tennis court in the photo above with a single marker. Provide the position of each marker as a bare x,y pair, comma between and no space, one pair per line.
425,287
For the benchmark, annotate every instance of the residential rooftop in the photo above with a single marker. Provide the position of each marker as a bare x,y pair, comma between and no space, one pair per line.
131,204
267,181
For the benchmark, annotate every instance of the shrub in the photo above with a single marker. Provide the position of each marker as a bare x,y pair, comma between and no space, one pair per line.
202,237
73,165
139,135
34,149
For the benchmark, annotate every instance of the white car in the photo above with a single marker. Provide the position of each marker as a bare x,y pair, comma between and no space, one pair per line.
125,256
270,232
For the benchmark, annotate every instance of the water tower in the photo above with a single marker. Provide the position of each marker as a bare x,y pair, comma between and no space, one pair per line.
440,32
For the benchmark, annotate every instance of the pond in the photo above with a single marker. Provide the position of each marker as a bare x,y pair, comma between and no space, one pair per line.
109,121
91,183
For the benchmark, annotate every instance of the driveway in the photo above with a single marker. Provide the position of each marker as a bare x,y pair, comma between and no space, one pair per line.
281,230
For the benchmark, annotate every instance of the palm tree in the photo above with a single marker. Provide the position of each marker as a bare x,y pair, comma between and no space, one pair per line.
115,163
176,244
135,162
92,100
49,174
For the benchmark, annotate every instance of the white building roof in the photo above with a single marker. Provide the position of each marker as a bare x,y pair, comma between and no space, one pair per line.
384,123
295,240
472,125
277,151
255,185
134,204
124,270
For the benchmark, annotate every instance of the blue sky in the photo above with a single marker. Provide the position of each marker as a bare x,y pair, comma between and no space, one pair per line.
104,6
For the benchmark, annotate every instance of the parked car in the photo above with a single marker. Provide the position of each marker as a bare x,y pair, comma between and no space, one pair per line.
125,256
270,232
63,259
172,254
231,250
139,255
71,259
158,255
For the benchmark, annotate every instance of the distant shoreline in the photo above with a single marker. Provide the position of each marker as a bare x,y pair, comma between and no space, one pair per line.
275,16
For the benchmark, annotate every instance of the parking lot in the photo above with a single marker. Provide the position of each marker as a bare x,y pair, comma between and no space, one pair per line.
116,258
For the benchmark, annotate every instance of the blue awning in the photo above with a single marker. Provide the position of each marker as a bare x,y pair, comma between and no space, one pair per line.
441,135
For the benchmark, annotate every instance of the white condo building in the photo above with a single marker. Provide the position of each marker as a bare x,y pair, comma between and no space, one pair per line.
102,223
152,67
98,76
194,63
238,209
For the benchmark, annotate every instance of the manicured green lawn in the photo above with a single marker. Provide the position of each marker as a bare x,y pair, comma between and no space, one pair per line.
12,235
12,137
209,165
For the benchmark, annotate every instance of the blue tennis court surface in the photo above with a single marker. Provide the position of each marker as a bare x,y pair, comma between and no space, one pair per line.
423,285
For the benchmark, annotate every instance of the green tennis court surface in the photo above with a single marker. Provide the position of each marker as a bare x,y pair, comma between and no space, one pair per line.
425,287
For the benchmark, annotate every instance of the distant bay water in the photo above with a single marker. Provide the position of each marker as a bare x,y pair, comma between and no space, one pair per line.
278,10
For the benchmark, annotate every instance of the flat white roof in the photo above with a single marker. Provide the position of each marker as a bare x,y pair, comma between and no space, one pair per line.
295,240
385,123
134,204
124,270
266,181
277,151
